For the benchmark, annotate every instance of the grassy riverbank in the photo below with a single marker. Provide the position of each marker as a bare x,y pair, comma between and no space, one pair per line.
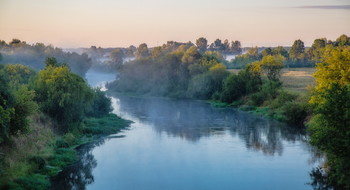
32,158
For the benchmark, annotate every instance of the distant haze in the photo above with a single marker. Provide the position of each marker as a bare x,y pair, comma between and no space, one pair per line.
120,23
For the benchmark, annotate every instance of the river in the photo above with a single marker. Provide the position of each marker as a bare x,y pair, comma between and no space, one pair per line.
187,144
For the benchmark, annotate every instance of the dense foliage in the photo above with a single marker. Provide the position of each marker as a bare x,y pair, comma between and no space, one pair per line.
330,126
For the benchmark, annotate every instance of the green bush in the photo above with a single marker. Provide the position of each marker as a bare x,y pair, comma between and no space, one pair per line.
295,113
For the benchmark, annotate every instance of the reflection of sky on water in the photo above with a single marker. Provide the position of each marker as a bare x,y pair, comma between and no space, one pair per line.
181,144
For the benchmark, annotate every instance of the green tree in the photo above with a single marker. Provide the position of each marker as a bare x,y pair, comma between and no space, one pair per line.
62,95
271,66
342,40
317,49
24,106
101,105
157,52
202,44
280,50
297,50
6,109
191,55
330,125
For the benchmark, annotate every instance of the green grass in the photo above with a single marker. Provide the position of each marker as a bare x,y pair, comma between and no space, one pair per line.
106,125
297,80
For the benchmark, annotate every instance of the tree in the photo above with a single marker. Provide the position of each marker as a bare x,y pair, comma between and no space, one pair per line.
266,52
202,44
191,55
271,66
226,46
117,57
62,95
297,50
330,124
343,40
142,51
317,49
157,52
280,50
6,108
236,47
101,105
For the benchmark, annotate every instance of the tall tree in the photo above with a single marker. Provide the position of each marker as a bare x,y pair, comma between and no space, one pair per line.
297,50
236,47
142,51
202,44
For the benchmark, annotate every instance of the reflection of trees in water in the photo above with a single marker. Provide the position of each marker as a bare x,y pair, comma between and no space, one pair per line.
192,120
79,174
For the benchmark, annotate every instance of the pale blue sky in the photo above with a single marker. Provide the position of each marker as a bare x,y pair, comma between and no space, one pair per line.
113,23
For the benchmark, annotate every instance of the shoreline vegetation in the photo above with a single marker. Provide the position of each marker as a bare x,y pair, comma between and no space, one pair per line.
45,116
187,70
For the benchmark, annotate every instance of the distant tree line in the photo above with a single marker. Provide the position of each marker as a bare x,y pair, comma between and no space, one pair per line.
296,56
33,55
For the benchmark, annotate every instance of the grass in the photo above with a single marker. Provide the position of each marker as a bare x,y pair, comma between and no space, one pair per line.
297,80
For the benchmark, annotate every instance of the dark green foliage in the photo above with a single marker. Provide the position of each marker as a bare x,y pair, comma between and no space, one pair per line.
329,130
6,109
295,113
16,101
101,104
105,125
24,107
234,88
34,182
205,85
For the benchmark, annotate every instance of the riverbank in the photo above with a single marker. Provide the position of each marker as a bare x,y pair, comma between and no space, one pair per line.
32,159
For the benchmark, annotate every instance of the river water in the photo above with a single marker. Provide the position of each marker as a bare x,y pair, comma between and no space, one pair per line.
183,144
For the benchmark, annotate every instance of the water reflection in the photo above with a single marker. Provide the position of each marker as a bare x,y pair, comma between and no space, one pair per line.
78,175
192,120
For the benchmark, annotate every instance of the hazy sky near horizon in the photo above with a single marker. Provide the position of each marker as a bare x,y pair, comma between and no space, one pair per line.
120,23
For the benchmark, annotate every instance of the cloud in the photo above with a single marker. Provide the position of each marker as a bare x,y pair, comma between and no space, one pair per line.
325,7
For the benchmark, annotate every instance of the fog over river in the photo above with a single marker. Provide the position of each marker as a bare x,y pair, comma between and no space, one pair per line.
187,144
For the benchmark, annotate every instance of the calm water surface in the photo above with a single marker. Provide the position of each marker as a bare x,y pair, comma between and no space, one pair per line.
181,144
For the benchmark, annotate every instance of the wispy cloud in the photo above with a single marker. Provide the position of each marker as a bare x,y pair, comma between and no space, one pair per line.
324,7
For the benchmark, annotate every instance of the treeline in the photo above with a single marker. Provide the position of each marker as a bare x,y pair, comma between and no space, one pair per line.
185,72
43,116
33,55
296,56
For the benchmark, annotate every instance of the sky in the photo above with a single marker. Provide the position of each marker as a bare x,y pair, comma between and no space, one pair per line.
121,23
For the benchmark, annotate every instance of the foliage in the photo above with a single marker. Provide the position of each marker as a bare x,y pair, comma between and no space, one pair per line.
19,52
329,127
101,104
107,124
271,66
202,44
62,95
235,86
142,51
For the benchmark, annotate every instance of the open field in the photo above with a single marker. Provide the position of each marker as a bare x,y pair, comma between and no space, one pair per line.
297,80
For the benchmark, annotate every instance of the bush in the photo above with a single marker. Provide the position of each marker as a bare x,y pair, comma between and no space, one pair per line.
295,113
101,104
